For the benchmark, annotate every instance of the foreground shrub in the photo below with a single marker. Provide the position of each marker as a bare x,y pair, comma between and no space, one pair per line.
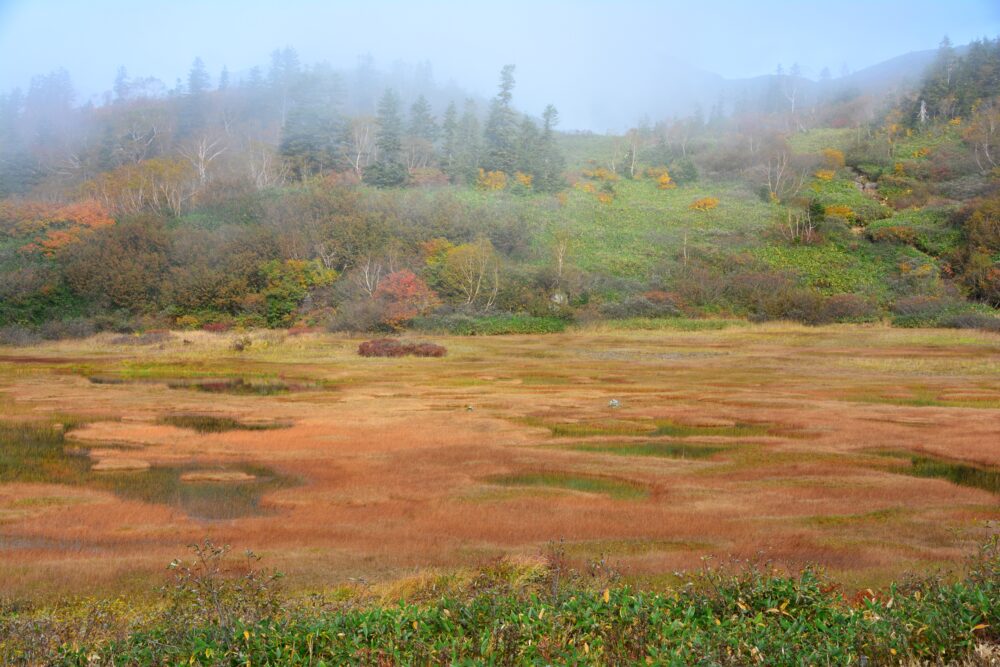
736,615
390,347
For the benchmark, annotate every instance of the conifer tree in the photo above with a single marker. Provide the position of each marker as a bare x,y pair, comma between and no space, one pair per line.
388,169
501,132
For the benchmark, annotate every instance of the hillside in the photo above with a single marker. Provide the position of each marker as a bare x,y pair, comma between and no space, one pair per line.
277,202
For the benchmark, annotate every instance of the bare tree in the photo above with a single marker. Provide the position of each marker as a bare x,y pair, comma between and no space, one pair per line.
562,238
799,227
362,142
201,153
983,134
783,174
266,169
369,275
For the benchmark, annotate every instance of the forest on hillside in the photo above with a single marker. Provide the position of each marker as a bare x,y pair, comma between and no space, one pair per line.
303,196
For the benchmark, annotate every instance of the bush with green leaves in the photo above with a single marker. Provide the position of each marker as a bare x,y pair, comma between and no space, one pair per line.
739,614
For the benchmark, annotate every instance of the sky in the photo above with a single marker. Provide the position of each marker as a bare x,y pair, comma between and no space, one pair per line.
575,54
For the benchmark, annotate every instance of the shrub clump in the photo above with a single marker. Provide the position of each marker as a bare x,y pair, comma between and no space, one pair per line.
648,305
390,347
931,311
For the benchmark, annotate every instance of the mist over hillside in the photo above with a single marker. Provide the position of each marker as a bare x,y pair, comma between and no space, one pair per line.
605,67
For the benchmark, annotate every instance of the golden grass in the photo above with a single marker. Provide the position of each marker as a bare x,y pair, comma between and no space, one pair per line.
120,465
396,470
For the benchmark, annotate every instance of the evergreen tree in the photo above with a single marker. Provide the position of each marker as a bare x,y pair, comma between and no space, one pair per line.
194,105
422,125
121,87
313,127
388,169
954,84
468,147
552,162
449,141
421,135
502,128
284,77
198,80
529,158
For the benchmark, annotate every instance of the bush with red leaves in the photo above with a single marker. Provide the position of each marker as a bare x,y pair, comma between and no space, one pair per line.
390,347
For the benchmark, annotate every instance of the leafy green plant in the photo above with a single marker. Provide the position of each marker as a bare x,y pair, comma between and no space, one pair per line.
735,614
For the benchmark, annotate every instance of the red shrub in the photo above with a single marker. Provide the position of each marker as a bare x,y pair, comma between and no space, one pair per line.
404,296
390,347
217,327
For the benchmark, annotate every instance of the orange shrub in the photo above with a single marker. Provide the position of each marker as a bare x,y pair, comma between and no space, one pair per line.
523,179
705,204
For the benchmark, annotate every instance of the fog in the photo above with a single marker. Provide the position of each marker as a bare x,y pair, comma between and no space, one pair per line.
604,65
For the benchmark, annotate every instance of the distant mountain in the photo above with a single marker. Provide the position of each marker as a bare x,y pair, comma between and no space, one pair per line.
681,91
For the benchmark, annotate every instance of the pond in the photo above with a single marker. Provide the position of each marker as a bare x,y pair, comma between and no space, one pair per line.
234,386
956,472
39,453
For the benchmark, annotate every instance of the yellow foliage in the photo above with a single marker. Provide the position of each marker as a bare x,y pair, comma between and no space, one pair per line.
491,180
605,197
955,121
898,169
705,204
839,211
921,152
833,158
600,174
562,198
664,182
523,178
825,174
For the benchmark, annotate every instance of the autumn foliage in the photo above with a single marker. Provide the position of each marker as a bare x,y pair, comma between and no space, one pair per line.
663,179
491,180
57,226
833,158
404,296
839,211
390,347
704,204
